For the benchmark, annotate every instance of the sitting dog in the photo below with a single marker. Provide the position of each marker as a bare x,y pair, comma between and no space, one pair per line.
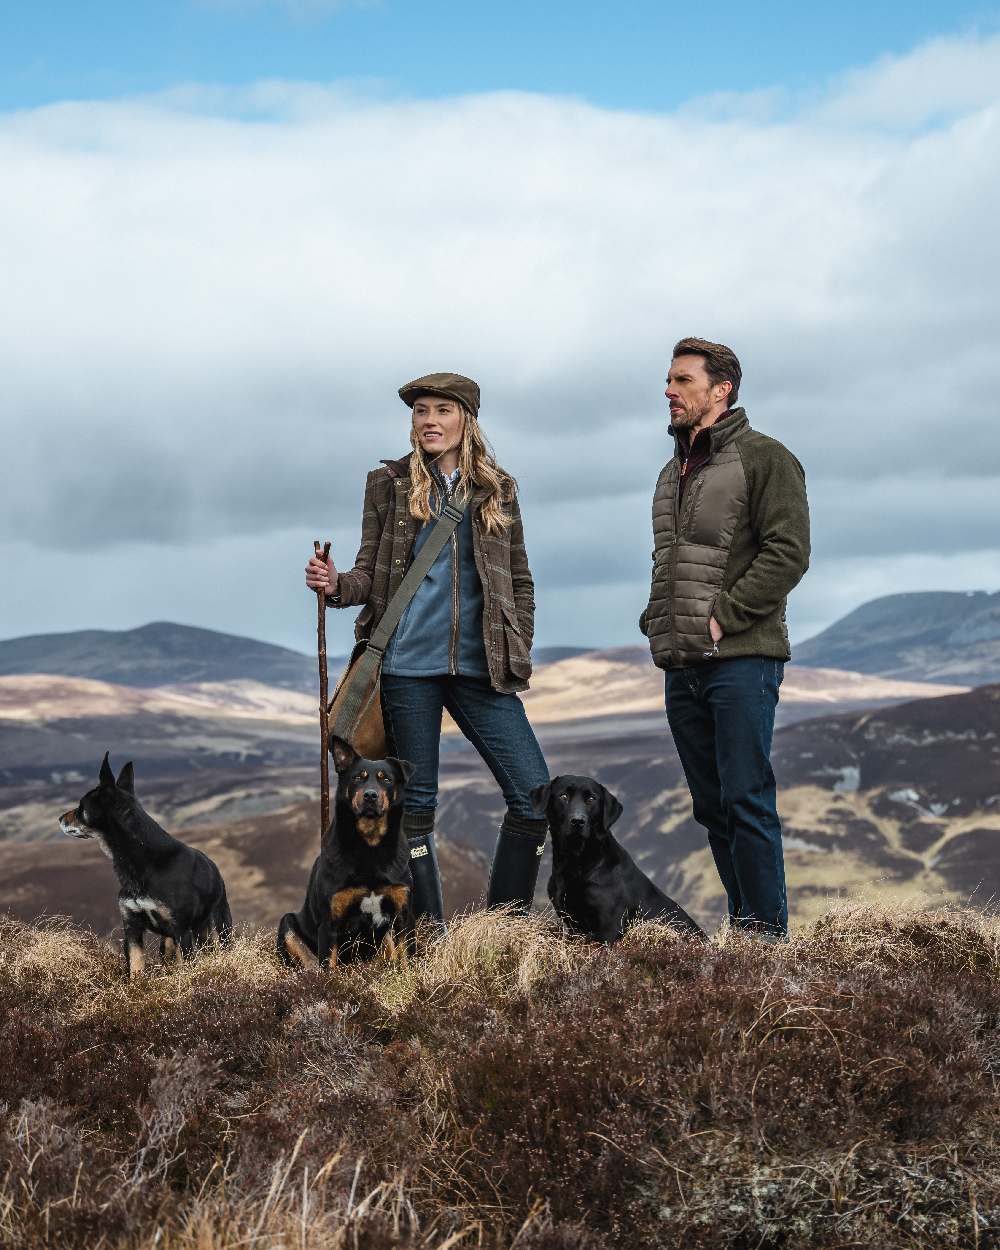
166,887
358,896
596,887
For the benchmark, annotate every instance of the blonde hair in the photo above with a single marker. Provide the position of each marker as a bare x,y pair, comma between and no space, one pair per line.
478,467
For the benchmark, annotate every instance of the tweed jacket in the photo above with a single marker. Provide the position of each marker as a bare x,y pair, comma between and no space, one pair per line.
388,532
733,547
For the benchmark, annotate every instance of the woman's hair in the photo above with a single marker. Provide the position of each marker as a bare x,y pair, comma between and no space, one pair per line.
478,467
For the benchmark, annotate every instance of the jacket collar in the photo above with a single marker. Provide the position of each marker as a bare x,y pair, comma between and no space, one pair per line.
400,469
734,423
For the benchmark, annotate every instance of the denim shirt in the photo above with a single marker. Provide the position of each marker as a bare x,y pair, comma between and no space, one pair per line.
441,631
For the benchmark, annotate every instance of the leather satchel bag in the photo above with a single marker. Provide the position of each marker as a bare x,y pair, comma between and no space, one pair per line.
355,711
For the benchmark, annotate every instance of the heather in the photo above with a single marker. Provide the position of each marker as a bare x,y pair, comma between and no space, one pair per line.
509,1089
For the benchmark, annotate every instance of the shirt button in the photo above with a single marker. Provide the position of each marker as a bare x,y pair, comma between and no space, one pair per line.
402,522
396,562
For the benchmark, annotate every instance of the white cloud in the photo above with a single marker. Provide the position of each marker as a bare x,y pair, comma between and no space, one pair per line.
944,77
213,295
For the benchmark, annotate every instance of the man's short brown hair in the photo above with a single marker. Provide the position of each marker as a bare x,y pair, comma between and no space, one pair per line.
721,363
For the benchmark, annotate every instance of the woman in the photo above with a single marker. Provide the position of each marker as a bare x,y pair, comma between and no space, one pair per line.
464,641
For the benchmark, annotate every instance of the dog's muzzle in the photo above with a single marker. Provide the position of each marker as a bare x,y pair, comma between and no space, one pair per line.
371,803
74,828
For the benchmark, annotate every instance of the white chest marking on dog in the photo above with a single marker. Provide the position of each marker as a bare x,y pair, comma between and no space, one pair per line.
372,906
153,909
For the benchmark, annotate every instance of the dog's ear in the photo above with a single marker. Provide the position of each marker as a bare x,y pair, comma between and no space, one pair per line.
126,779
540,797
343,754
404,769
106,776
611,809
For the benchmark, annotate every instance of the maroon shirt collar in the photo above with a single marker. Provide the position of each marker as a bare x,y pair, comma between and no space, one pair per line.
702,440
699,453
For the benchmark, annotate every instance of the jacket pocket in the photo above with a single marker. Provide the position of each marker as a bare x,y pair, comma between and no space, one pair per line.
518,655
711,649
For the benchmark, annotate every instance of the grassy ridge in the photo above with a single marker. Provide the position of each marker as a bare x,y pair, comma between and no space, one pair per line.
509,1089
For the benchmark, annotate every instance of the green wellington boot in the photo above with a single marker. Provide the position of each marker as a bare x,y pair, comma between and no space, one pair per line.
514,871
418,828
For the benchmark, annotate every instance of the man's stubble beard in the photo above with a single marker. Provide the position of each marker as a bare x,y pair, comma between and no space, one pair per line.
686,421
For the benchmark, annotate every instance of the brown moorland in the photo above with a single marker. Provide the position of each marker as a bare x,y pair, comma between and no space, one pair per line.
509,1089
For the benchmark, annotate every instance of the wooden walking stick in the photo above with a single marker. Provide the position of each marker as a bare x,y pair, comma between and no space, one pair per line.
324,731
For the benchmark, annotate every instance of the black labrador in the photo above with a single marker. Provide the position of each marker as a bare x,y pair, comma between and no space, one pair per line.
596,887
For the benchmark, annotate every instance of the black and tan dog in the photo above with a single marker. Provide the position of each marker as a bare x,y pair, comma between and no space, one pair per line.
167,888
358,896
596,887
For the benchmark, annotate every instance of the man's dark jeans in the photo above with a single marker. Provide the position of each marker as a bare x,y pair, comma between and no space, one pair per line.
721,714
494,723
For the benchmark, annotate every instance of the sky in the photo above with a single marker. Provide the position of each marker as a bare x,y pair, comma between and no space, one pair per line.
231,229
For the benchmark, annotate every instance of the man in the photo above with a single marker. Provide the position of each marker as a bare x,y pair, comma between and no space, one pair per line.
731,536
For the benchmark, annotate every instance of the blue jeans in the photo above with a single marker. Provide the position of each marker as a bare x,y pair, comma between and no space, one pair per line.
721,714
495,724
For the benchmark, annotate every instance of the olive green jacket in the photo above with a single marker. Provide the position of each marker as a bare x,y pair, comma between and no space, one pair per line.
734,548
388,532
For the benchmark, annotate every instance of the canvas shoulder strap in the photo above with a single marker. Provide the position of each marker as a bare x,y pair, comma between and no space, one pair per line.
446,524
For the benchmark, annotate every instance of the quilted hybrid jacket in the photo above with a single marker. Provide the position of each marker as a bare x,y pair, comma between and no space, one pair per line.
733,548
388,534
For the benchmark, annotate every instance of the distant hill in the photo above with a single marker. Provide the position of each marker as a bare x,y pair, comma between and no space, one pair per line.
159,654
55,727
930,636
165,654
621,684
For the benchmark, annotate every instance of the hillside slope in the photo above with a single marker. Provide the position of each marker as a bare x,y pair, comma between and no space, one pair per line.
901,800
929,636
53,727
898,801
509,1090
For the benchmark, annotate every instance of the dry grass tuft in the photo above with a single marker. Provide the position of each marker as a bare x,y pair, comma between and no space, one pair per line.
946,940
509,1088
486,955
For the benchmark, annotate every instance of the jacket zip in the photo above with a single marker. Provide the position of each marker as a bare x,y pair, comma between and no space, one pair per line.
681,512
444,495
672,566
689,494
456,598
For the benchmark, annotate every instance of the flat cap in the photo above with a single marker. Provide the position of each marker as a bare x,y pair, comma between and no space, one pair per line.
450,385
